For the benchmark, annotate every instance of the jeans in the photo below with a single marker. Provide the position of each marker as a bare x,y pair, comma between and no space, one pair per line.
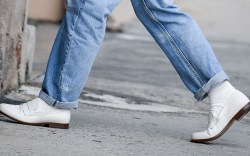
83,29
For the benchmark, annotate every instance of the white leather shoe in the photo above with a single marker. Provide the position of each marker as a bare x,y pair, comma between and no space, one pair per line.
235,108
38,113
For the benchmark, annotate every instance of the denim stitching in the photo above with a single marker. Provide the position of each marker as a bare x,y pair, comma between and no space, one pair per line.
75,6
172,42
67,48
55,103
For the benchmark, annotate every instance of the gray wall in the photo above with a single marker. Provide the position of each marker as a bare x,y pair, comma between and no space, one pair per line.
14,33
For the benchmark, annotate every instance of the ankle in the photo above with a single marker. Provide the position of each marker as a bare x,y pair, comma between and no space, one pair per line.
221,91
219,95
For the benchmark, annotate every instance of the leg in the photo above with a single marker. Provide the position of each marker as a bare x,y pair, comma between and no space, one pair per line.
74,51
182,41
72,56
193,58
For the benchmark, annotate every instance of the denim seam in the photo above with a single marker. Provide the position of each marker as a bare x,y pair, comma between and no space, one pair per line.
75,6
69,43
172,42
54,104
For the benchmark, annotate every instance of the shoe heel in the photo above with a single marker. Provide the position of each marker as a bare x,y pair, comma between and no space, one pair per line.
242,112
61,126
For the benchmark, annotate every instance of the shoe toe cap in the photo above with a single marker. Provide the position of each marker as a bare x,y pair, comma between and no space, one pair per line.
9,109
200,135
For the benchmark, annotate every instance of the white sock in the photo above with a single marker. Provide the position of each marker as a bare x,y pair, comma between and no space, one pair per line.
218,96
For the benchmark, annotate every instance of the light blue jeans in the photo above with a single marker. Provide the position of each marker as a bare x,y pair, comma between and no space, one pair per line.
83,29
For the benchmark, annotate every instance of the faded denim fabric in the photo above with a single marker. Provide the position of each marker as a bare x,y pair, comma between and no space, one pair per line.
83,29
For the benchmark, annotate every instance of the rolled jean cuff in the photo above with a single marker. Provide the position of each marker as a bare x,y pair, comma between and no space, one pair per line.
202,93
55,103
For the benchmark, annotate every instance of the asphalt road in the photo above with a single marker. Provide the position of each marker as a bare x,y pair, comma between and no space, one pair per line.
99,131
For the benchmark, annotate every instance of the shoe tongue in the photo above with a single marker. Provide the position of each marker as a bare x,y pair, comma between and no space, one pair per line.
33,104
37,105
